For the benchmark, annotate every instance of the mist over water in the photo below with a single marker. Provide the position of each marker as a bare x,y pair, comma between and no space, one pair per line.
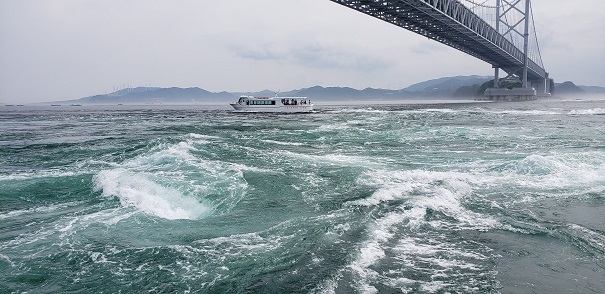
389,198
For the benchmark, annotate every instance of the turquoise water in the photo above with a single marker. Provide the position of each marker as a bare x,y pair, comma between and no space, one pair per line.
412,198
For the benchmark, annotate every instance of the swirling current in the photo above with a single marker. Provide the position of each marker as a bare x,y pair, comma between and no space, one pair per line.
401,198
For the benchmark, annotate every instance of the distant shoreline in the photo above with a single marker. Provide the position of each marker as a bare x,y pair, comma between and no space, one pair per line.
225,104
448,88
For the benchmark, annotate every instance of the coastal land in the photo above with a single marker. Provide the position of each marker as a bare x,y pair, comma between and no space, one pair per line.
446,88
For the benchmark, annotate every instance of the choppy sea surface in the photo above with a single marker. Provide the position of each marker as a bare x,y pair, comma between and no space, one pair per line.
403,198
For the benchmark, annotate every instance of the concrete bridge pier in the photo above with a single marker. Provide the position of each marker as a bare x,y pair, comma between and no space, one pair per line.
535,89
542,87
515,94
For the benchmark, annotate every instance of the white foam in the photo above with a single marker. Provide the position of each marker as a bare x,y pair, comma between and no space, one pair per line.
98,257
422,250
441,110
202,136
331,127
42,209
526,112
138,191
594,239
197,139
165,155
174,181
68,226
560,171
51,173
371,251
422,190
283,143
28,238
593,111
359,110
335,159
2,256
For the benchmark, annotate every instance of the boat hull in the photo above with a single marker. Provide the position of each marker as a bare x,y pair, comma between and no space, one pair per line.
273,108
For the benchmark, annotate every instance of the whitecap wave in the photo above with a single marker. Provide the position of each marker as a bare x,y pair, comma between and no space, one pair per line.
392,252
173,181
138,191
283,143
49,173
526,112
559,171
334,159
426,191
38,210
413,237
441,110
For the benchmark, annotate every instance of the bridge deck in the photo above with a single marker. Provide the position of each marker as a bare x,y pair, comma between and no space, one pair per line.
453,24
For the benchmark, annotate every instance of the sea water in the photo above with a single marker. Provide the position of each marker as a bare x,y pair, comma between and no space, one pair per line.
388,198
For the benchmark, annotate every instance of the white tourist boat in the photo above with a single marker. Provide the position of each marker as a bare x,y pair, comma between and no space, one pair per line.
273,104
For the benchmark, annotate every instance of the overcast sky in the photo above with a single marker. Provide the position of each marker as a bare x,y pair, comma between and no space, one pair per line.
66,49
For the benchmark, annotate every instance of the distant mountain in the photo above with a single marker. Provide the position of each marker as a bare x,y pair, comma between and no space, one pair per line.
437,88
346,93
465,87
568,88
593,89
157,95
446,87
263,93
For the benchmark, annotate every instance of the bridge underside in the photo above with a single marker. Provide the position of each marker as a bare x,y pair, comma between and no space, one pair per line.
453,24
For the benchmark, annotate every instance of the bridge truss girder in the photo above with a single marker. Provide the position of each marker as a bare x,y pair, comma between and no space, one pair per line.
453,24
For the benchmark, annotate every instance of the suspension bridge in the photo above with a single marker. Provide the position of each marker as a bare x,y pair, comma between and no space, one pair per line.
499,32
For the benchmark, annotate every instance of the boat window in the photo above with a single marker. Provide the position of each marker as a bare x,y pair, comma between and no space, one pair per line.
262,102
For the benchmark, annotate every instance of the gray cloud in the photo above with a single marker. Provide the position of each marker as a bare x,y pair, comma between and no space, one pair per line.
428,47
314,56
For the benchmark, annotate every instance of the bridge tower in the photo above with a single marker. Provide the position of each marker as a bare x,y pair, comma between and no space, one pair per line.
515,30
